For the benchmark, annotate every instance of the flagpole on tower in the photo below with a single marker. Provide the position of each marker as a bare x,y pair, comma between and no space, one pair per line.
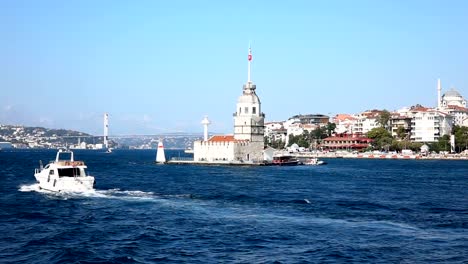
250,60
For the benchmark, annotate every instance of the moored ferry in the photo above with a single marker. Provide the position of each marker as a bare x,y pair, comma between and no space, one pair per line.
285,160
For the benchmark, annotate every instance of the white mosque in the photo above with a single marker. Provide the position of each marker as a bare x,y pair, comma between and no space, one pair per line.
453,103
246,144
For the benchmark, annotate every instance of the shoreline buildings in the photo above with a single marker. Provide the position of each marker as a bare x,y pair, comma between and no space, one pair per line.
246,144
420,124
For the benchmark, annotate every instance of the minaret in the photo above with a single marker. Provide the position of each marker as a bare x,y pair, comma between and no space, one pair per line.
439,99
106,130
249,119
205,122
160,156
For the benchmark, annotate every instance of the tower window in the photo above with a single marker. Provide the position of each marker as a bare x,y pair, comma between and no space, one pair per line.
246,110
240,110
254,110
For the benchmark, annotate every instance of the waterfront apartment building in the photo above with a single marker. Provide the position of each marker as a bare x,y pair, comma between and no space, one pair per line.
398,120
317,119
275,131
294,128
428,125
459,114
344,123
365,122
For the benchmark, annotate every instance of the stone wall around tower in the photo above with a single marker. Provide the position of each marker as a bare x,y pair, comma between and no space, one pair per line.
229,151
213,151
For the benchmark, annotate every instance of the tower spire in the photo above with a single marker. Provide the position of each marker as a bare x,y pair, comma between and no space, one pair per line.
250,60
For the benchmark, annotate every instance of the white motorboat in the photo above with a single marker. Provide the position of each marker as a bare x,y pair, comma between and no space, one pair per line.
314,162
64,175
188,150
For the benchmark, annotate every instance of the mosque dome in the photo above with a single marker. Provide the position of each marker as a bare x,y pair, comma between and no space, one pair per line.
452,93
453,98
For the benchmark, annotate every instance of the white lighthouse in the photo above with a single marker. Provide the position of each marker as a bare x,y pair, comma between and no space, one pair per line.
205,122
160,156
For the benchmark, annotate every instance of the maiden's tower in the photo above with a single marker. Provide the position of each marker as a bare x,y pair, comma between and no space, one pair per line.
246,144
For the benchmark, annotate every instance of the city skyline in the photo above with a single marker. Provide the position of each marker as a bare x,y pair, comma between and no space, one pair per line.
159,67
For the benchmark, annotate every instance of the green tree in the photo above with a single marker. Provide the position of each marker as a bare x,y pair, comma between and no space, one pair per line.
276,144
382,138
330,128
461,138
383,118
415,146
319,133
378,132
293,140
396,145
300,140
401,132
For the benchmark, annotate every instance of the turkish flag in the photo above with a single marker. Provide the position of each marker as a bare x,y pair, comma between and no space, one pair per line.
250,57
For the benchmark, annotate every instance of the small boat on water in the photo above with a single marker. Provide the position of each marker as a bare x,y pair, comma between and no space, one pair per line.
314,162
285,160
64,174
188,150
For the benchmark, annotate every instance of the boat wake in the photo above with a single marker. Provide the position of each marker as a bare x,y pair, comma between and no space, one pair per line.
30,188
109,194
117,193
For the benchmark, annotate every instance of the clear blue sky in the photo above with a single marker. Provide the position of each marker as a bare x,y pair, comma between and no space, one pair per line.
160,66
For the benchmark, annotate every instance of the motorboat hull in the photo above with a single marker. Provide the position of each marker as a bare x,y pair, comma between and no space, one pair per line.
286,163
67,184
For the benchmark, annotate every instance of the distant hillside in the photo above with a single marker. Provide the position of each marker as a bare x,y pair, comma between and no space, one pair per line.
41,136
151,142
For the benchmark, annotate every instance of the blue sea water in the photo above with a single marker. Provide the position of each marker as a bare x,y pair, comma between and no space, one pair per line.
351,210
